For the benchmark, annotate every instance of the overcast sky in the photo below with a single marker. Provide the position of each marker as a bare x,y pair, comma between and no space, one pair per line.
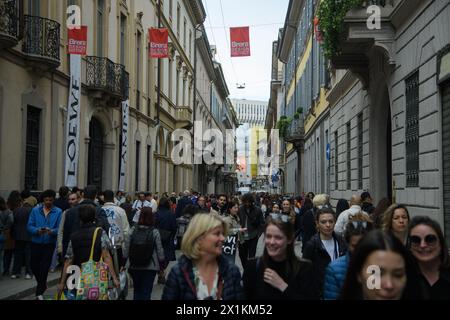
264,17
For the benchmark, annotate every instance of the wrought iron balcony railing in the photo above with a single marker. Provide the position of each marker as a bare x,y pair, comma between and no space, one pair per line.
41,40
296,131
8,23
104,75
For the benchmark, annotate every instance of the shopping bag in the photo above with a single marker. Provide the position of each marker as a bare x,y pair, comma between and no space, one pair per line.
94,277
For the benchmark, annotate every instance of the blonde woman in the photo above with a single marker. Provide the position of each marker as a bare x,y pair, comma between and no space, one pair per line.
396,220
202,273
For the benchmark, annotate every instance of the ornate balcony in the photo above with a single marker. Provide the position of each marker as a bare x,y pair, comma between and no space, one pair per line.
41,42
296,132
183,117
8,24
106,80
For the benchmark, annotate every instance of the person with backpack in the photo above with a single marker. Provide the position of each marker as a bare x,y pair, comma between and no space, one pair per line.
84,245
146,254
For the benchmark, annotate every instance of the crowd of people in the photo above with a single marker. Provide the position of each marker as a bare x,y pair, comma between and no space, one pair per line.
354,250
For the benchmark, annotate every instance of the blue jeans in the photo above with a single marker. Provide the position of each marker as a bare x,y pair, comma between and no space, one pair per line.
143,283
22,256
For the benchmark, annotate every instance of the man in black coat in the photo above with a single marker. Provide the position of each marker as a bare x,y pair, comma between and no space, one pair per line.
251,217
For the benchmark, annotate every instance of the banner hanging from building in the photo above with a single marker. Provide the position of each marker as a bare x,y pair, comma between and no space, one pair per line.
73,122
159,39
240,42
77,39
317,32
124,142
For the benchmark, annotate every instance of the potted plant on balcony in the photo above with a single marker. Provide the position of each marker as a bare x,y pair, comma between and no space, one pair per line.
283,125
331,16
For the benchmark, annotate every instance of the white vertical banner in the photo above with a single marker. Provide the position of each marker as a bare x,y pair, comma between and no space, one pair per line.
73,122
124,142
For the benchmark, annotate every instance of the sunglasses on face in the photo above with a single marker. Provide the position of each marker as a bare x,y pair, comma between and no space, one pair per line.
281,217
429,239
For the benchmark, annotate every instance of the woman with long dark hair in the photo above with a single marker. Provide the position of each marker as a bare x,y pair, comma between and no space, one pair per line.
380,269
279,273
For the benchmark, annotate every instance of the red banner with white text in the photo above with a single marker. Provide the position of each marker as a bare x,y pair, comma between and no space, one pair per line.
159,38
77,39
240,42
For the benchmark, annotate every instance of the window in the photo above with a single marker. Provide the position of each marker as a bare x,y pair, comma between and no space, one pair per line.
412,130
336,153
178,21
184,33
149,149
190,44
349,160
138,68
123,32
178,88
184,91
100,13
33,7
170,78
138,147
360,151
32,148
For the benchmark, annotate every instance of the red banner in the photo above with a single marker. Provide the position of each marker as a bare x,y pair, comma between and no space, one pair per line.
159,39
240,42
77,39
317,32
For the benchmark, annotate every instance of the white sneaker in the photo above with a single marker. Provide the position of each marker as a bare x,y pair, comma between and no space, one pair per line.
15,276
28,276
40,297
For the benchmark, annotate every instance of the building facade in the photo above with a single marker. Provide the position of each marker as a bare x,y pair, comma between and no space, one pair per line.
33,102
385,119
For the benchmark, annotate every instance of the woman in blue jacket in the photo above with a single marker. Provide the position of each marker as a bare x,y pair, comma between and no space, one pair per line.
356,228
202,273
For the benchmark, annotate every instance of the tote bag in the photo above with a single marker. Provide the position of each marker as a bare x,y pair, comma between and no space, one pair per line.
94,277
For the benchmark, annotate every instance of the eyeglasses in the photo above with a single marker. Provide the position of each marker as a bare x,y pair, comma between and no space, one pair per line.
281,217
430,239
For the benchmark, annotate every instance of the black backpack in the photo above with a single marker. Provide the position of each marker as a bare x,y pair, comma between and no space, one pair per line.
142,244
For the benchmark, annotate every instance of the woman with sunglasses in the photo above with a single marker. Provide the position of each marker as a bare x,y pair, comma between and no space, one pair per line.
396,220
325,246
427,244
279,273
356,228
